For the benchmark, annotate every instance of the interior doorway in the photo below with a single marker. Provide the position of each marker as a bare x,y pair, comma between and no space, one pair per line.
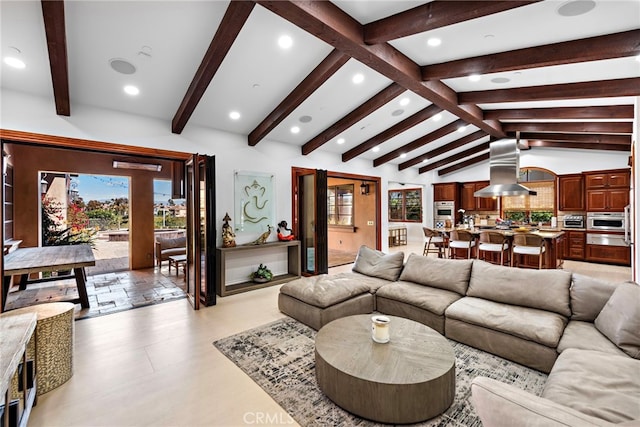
333,215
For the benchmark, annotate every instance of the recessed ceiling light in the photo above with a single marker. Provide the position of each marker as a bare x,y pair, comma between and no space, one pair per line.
462,129
14,62
375,149
403,155
474,77
576,7
434,41
358,78
122,66
234,115
404,102
437,117
295,129
500,80
424,160
285,42
306,119
340,141
131,90
397,113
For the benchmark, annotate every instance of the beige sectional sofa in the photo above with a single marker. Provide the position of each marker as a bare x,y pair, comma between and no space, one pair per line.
583,332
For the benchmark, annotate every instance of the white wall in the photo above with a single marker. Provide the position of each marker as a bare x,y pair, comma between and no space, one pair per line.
33,114
635,199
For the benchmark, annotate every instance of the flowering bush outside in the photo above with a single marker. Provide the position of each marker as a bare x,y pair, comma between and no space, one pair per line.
54,230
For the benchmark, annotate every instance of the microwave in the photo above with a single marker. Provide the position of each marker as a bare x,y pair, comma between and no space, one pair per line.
606,221
444,210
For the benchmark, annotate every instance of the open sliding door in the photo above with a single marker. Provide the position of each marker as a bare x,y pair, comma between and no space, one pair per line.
201,234
309,207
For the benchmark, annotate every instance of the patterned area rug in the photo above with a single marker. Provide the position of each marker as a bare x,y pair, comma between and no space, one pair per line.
280,357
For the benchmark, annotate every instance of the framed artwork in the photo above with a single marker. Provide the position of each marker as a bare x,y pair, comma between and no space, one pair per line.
254,202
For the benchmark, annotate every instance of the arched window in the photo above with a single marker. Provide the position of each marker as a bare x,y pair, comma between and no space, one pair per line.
532,209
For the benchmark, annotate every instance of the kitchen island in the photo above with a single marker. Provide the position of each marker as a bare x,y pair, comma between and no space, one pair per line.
553,240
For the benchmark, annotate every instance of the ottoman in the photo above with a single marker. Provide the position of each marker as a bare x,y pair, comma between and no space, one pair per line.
317,300
54,343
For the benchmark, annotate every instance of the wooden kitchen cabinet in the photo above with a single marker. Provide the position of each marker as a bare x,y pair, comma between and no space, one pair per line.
574,245
613,200
619,178
445,192
607,190
470,203
609,254
571,192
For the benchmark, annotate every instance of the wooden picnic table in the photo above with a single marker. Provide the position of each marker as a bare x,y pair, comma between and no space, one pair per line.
26,261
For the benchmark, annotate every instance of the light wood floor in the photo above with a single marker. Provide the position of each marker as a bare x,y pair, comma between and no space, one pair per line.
156,365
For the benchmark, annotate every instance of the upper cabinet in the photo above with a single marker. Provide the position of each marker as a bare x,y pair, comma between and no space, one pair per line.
571,192
445,192
470,203
608,179
607,190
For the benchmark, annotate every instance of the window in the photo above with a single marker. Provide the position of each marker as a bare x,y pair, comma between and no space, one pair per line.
340,205
405,205
534,209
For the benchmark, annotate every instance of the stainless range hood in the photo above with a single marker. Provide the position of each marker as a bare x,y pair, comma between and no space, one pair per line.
504,169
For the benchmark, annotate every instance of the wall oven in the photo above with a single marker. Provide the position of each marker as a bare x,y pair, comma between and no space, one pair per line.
443,211
606,221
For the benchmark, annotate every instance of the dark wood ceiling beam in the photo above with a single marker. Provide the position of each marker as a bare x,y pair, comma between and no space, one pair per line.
596,112
232,22
454,158
330,24
578,127
581,90
578,145
443,149
430,16
580,138
54,28
618,45
465,164
327,68
420,142
377,101
409,122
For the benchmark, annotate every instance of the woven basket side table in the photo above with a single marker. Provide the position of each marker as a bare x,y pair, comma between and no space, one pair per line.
54,336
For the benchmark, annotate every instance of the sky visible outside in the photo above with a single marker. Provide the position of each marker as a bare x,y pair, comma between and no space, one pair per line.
104,188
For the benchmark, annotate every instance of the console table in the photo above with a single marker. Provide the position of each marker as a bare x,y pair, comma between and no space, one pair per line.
16,331
224,255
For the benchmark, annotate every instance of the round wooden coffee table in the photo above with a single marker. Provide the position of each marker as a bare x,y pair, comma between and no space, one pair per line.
409,379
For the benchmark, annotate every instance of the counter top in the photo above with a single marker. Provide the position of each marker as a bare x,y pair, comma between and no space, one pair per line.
545,233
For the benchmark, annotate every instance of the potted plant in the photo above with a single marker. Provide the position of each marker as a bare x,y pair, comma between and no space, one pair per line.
261,275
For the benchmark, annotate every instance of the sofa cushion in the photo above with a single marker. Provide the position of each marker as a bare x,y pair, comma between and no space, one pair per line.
585,336
378,264
543,289
619,320
452,275
588,296
598,384
501,405
531,324
372,283
174,251
323,290
431,299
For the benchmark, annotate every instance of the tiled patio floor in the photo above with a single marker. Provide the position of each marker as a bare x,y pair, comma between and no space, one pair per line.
111,286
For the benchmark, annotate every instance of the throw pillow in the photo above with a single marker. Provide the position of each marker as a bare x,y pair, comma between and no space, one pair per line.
378,264
588,296
619,320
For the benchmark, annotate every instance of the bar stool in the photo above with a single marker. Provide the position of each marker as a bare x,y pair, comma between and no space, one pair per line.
461,239
493,241
434,238
527,244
